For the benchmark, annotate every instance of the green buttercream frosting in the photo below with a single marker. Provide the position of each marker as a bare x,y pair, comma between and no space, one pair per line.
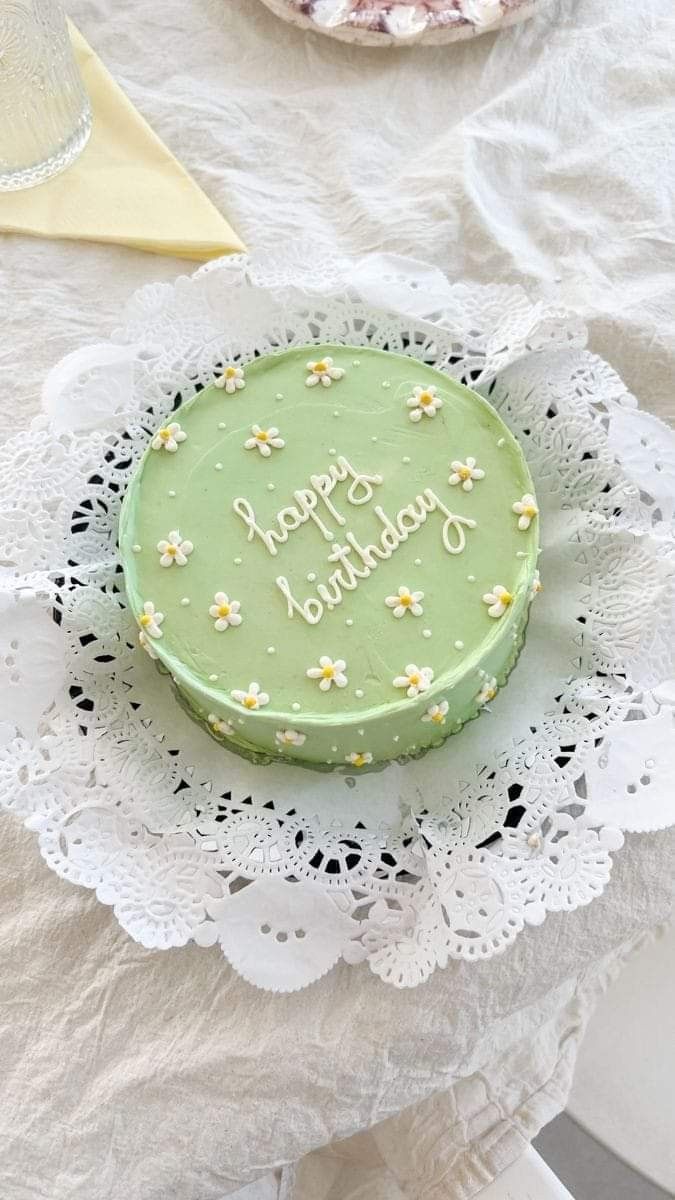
304,512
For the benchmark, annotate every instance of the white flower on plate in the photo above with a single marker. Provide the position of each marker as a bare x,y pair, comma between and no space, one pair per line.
465,473
290,737
322,371
150,620
251,699
482,13
329,672
536,586
218,725
487,692
437,713
423,402
224,611
359,758
498,600
415,680
174,549
526,508
405,601
147,645
232,379
264,440
168,437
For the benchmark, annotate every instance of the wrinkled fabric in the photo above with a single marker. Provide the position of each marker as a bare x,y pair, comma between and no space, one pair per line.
540,156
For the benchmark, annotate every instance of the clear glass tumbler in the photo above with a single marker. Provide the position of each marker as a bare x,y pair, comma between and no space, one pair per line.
45,115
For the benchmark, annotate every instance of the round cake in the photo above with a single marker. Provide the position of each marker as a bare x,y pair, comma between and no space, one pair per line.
332,550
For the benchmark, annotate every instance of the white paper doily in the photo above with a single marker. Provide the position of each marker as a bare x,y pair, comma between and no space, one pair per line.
447,857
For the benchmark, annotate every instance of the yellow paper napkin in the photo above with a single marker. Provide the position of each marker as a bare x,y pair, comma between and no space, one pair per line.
125,188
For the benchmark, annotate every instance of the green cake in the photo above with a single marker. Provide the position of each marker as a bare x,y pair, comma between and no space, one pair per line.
332,550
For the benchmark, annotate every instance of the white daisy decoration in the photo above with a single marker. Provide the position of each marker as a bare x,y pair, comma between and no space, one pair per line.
147,645
415,680
423,403
329,672
487,692
526,508
251,699
359,758
150,620
437,713
232,379
465,473
289,737
405,601
498,600
168,437
322,371
225,612
264,440
218,725
174,549
536,586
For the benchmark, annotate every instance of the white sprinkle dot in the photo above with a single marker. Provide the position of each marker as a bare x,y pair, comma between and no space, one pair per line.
459,645
361,732
311,577
471,578
349,622
279,396
237,562
418,562
295,706
213,678
406,458
426,633
222,425
136,549
356,362
374,438
219,466
359,693
271,649
271,487
185,601
332,450
386,384
501,442
336,413
333,749
521,554
171,492
397,738
414,746
240,721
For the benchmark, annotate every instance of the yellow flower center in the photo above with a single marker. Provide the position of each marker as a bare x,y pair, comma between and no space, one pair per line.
172,551
490,693
464,472
223,610
537,585
406,600
413,680
426,398
165,434
250,702
506,598
146,620
328,672
529,511
262,436
320,367
230,372
358,760
438,717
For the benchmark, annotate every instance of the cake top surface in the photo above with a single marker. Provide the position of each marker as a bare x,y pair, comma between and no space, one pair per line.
346,519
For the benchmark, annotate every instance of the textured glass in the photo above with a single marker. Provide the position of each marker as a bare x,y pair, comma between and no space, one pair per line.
45,116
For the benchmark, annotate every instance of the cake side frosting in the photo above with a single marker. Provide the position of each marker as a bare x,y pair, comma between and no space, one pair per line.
341,545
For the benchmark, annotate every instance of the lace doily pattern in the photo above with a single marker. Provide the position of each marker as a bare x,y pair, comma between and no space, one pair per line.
448,857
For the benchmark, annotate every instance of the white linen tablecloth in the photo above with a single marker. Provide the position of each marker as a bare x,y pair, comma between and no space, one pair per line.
541,155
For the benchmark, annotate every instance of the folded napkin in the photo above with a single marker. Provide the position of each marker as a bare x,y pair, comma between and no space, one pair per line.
125,187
